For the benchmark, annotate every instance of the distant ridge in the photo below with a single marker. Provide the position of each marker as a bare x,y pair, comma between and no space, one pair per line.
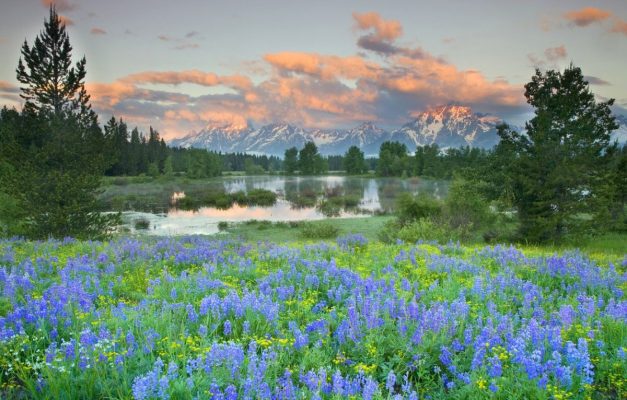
447,126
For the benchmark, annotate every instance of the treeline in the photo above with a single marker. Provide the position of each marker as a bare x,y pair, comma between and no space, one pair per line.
428,161
133,153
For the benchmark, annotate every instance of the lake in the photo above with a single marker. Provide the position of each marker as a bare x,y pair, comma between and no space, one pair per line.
151,206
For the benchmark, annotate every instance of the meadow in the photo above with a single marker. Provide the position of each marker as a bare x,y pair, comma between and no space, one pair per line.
195,317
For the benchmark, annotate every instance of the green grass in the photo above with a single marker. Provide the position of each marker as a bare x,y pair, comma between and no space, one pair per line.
286,232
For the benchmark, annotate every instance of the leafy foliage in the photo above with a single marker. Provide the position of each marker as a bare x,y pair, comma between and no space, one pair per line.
310,162
290,163
558,166
354,163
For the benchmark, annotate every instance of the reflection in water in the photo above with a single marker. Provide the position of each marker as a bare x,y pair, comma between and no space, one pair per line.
299,198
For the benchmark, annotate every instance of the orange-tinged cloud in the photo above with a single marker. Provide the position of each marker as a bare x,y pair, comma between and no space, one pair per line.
191,76
587,16
60,5
67,21
97,31
384,30
619,26
556,53
8,87
324,67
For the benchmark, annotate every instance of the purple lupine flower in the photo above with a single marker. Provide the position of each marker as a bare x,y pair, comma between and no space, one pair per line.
390,381
370,389
227,329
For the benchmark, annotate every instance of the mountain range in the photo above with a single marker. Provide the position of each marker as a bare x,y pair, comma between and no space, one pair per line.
446,126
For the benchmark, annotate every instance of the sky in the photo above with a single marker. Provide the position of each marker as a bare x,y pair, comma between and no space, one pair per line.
180,66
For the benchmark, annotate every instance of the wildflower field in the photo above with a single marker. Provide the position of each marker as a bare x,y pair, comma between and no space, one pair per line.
186,318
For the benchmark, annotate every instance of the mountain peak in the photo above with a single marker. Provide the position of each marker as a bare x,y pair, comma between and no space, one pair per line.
451,125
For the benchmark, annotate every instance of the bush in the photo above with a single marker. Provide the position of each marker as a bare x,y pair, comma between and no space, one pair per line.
465,215
261,197
466,208
429,229
223,225
312,230
142,223
412,208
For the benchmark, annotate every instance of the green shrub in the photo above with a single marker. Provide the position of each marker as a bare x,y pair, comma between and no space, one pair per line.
261,197
412,208
223,225
429,229
142,223
311,230
466,208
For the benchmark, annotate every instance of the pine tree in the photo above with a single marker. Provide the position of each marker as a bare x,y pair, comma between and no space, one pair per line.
308,159
57,160
354,161
290,163
559,163
51,85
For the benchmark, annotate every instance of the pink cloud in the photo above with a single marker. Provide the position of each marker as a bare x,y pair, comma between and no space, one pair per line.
620,26
67,21
97,31
8,87
197,77
384,30
60,5
556,53
321,66
587,16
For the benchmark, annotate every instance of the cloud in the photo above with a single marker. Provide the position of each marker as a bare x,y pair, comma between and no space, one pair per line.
182,43
67,21
619,26
60,5
593,80
97,31
591,15
555,53
549,58
371,42
7,87
191,76
309,89
587,16
9,91
186,46
384,30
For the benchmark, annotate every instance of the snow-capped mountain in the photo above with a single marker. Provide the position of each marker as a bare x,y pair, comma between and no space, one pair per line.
621,133
449,126
217,138
446,126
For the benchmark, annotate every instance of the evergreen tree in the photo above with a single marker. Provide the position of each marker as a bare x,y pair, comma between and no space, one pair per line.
354,161
393,160
558,165
168,167
56,147
50,84
309,159
290,163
